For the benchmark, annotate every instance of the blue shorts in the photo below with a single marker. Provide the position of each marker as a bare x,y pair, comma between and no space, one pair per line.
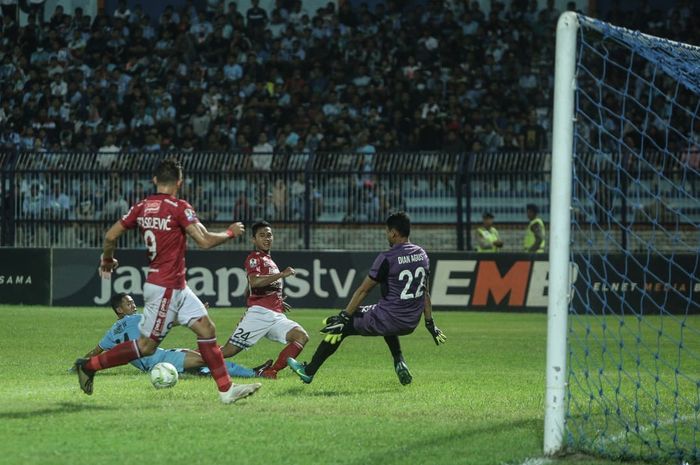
174,356
373,320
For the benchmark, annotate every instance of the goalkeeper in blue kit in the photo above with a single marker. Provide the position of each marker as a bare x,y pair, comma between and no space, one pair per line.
402,273
127,328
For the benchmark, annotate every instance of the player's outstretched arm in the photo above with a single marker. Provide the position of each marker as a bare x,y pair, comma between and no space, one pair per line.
359,295
107,261
335,324
428,308
206,239
437,334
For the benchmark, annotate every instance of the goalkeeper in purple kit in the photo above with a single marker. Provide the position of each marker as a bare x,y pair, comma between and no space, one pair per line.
402,272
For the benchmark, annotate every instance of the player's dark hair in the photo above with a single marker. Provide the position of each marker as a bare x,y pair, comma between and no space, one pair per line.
168,171
401,222
116,300
532,207
488,215
258,225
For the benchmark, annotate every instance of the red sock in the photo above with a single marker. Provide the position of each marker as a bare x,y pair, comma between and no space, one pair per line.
291,350
211,354
121,354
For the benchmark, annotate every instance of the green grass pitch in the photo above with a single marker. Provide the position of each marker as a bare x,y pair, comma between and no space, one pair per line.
476,400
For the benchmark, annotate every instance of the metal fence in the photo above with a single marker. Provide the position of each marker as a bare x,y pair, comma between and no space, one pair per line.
315,201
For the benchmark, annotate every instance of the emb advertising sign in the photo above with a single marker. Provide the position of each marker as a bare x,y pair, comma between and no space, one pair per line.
458,281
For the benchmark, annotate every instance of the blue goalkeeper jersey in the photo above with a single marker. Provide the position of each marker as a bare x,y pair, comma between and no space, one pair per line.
127,329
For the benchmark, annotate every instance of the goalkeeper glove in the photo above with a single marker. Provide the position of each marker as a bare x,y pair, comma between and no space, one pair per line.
438,336
335,324
333,338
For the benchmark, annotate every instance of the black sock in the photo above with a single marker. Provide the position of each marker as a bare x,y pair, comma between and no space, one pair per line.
324,350
395,348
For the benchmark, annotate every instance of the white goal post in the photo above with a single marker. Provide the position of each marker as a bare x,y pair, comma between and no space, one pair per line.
623,316
560,232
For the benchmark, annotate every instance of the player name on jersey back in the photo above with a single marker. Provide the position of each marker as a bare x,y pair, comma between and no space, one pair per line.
163,220
153,222
418,257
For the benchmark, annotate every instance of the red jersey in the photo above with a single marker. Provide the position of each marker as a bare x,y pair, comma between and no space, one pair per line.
270,296
162,220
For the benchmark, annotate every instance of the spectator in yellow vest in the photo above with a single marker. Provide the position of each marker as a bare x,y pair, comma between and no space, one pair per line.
487,238
534,240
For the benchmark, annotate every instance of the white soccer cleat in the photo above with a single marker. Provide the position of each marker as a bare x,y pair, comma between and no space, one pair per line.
238,391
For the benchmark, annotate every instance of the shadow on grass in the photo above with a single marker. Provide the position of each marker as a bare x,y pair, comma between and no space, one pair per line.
450,441
60,409
307,392
103,373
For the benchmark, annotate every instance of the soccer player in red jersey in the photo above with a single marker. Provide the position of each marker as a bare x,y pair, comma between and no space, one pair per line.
165,222
266,307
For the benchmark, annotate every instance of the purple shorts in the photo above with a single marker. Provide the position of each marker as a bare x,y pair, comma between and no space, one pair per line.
373,320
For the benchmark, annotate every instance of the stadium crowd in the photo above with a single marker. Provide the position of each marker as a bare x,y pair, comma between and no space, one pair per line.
447,76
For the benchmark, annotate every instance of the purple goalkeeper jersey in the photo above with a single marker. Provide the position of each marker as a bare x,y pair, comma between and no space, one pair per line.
402,272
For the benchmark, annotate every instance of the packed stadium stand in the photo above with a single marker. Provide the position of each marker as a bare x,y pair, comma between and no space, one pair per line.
334,116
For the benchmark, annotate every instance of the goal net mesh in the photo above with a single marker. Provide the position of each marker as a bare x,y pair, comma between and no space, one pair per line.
634,329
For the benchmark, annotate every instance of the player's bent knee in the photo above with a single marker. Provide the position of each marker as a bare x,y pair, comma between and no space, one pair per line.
204,327
147,346
303,339
229,350
298,336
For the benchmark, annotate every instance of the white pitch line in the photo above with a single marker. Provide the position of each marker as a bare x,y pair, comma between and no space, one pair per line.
614,438
622,434
537,461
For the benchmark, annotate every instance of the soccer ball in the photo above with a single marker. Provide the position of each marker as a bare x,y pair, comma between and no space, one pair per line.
164,375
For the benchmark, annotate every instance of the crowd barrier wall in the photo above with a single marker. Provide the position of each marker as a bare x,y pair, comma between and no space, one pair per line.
326,201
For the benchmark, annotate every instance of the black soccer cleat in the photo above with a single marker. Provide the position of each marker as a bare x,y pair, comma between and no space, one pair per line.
260,368
403,373
85,376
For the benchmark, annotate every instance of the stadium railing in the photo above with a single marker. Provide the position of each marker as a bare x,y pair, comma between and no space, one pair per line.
315,201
